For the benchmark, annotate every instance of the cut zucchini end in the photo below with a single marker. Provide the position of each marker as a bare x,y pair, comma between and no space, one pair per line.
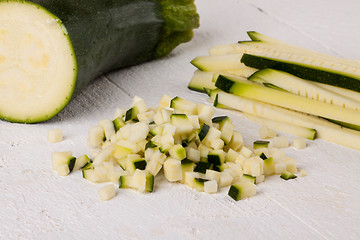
37,80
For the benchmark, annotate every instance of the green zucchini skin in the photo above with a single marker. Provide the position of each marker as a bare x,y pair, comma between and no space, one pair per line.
112,34
302,71
106,35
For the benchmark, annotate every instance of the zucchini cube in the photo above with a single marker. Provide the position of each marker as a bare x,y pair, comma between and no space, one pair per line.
242,190
133,164
182,123
186,166
286,175
142,181
184,106
61,158
107,192
210,186
258,144
216,157
172,169
118,123
177,151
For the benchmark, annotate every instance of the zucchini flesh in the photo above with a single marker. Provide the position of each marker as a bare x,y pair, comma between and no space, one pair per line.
53,49
287,100
309,71
303,88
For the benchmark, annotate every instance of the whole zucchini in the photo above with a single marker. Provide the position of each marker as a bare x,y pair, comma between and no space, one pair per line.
51,49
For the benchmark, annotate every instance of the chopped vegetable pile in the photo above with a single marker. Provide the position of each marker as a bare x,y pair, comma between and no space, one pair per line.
186,142
284,87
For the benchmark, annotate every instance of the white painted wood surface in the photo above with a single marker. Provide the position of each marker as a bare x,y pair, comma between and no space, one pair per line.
35,203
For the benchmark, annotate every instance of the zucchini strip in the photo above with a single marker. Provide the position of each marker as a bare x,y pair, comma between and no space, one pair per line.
317,72
287,100
325,130
299,131
303,88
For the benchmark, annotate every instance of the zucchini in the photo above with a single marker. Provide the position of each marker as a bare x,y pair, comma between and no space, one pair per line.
54,48
201,80
324,129
242,190
299,131
287,100
218,62
305,70
260,144
303,88
286,175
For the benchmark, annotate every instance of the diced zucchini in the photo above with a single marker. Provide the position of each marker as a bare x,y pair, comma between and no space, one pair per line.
109,128
118,123
61,158
237,141
182,123
205,113
81,162
178,152
269,166
204,130
131,114
225,126
172,169
96,136
247,177
186,166
142,181
107,192
198,184
157,130
150,144
125,181
193,154
260,144
242,190
286,175
183,106
226,178
62,169
216,157
55,135
133,164
210,186
201,167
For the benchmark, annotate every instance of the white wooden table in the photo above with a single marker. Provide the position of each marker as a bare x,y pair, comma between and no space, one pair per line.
35,203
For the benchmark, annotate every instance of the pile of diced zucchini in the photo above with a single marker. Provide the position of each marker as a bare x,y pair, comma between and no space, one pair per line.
185,141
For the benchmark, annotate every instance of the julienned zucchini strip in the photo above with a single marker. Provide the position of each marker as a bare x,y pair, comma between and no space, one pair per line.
324,129
297,130
287,100
262,44
306,71
303,88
